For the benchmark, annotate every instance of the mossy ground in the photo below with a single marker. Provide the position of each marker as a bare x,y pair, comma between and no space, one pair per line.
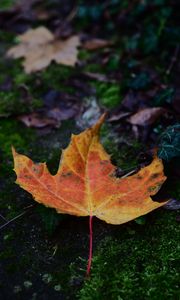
137,262
43,255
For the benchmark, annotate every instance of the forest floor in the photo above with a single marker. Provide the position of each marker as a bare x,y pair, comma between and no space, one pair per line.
127,65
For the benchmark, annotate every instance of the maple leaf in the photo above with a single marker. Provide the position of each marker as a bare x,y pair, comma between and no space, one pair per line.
85,183
40,48
146,116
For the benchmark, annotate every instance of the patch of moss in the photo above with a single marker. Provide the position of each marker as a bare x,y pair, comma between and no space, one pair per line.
93,67
54,75
12,68
8,254
6,37
137,265
13,133
22,96
123,150
108,94
84,55
12,102
49,217
6,4
113,62
90,59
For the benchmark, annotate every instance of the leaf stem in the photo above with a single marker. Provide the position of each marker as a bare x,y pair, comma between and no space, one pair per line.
90,246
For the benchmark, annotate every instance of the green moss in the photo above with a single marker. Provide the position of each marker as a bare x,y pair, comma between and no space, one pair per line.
84,55
5,4
113,62
123,150
108,94
90,59
6,37
49,217
23,96
12,102
54,77
13,133
8,254
11,68
142,265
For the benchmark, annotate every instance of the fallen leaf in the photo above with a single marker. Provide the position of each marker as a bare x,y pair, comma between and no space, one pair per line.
146,116
93,44
52,117
37,120
66,103
60,114
40,48
173,204
85,183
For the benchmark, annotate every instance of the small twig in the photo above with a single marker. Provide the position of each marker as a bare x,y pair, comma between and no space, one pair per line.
10,221
90,246
72,14
55,250
129,173
99,77
173,60
3,218
29,206
17,217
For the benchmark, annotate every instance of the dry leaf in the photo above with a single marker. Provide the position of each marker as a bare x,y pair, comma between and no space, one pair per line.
173,204
85,183
37,120
40,48
146,116
94,44
52,117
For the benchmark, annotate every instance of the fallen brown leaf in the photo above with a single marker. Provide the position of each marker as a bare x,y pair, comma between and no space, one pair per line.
37,120
52,117
40,48
94,44
60,114
146,116
85,183
172,204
